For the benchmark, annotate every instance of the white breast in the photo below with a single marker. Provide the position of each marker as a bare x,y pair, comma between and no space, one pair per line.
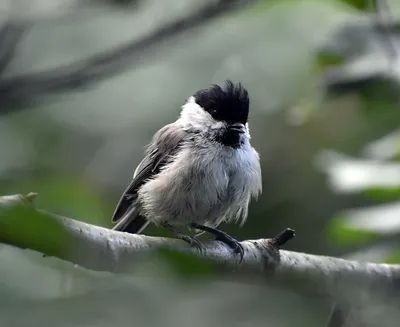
244,181
205,185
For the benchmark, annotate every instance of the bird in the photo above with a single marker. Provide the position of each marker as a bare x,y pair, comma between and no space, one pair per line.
198,171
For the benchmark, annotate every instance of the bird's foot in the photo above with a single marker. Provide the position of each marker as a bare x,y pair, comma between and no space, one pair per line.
234,244
193,241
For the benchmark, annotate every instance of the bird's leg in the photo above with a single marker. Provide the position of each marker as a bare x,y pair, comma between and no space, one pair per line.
223,237
193,241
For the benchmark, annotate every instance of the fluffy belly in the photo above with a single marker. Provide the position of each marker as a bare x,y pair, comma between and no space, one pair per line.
181,199
216,187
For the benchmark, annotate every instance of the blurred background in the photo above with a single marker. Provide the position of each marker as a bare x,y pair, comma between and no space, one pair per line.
85,84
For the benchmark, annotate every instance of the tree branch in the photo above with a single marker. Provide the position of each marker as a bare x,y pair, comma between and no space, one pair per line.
10,35
17,90
103,249
338,315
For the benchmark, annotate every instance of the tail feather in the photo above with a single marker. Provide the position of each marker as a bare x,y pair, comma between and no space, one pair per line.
131,222
124,205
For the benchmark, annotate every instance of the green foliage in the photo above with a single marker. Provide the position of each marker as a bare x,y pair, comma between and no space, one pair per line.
379,94
22,224
69,196
393,258
342,233
325,60
381,194
185,265
264,5
359,4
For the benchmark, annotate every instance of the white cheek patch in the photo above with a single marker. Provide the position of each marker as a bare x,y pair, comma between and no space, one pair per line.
248,130
194,115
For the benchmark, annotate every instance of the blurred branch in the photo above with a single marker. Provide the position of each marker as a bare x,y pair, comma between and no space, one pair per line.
382,9
17,90
102,249
368,50
10,35
338,315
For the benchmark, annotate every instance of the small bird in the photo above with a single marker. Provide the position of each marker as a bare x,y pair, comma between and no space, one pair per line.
198,171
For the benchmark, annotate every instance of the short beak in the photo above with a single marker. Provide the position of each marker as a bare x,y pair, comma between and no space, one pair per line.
237,127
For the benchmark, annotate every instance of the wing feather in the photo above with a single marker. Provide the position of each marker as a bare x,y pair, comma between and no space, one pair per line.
165,144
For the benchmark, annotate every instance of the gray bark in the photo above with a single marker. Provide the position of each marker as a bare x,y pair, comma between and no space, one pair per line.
102,249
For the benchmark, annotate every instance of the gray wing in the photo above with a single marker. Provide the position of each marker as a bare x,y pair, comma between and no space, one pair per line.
164,145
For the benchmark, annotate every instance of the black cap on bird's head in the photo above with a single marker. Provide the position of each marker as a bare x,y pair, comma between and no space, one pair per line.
229,103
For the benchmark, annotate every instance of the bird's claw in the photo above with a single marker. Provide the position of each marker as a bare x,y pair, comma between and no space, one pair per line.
223,237
234,244
193,241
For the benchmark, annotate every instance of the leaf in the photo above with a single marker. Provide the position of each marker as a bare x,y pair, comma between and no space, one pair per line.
359,4
357,226
392,258
374,253
186,265
381,194
69,196
387,147
324,60
29,228
376,178
344,234
368,66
